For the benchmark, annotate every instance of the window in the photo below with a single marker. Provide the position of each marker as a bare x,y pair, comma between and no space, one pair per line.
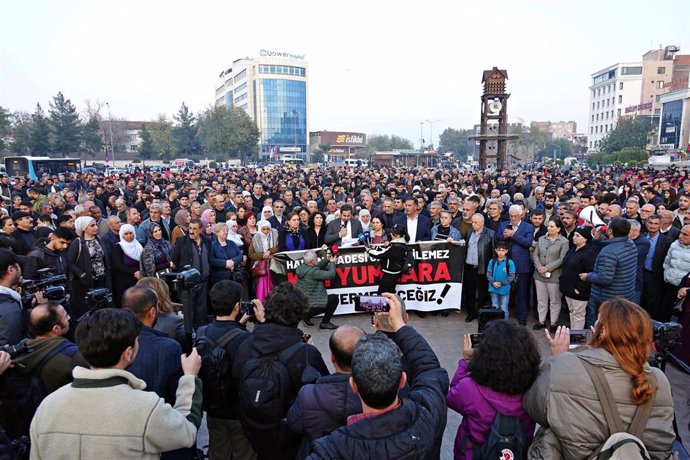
597,117
592,105
660,84
637,70
591,130
597,104
620,85
661,70
592,118
607,115
657,98
620,99
618,113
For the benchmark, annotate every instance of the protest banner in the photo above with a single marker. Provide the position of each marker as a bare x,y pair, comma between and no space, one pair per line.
434,283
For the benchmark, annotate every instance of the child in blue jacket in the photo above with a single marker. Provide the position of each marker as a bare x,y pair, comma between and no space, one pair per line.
500,273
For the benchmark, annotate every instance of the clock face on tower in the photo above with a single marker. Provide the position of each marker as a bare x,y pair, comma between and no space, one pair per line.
495,106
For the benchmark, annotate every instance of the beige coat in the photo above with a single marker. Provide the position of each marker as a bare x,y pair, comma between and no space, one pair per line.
105,414
564,400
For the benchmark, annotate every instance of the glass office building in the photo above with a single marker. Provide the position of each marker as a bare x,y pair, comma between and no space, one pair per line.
273,90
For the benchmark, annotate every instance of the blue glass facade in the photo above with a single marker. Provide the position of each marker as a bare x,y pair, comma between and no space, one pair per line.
282,111
670,123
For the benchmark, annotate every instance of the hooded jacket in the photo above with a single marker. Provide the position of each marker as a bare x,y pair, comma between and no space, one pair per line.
478,406
563,399
42,257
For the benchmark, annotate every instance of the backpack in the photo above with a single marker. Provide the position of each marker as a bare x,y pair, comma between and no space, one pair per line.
409,261
216,369
20,396
621,444
265,395
506,440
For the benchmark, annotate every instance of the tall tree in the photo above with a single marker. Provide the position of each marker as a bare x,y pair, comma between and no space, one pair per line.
455,140
185,133
5,127
246,132
21,133
146,149
161,135
630,132
91,141
66,125
39,143
228,132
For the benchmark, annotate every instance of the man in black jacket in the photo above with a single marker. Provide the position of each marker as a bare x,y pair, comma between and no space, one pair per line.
390,426
194,250
286,305
51,254
323,406
24,235
225,435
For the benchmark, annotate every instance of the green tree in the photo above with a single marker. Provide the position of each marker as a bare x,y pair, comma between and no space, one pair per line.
161,135
386,143
228,132
146,149
320,151
185,133
5,127
39,142
246,134
455,140
91,140
563,148
66,125
21,133
629,132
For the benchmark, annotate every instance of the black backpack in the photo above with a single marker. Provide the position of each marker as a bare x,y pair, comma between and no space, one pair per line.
216,369
409,261
265,395
505,440
20,396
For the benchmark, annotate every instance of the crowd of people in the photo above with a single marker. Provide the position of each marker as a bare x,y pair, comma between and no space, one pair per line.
610,246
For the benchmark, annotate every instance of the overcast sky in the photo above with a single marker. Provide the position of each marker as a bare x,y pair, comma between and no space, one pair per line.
379,67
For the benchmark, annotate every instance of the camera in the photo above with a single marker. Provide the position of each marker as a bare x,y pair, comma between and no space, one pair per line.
95,300
187,278
666,335
247,308
53,286
18,349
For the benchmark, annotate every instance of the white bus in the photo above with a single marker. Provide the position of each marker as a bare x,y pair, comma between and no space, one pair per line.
291,161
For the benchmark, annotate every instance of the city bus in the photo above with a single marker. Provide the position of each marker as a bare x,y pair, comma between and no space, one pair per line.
34,167
291,161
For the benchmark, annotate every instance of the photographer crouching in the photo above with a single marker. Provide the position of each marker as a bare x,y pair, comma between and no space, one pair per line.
311,276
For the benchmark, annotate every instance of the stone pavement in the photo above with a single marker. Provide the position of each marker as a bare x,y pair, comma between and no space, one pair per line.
445,337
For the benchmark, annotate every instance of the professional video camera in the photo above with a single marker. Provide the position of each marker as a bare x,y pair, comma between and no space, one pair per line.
186,279
666,335
95,300
52,286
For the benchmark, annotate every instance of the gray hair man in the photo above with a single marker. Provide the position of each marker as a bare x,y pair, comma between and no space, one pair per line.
311,276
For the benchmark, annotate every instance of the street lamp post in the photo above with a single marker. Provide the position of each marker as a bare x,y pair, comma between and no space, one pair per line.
431,130
421,136
110,124
554,152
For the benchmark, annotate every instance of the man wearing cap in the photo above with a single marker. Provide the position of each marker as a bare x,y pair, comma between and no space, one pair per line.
24,235
13,326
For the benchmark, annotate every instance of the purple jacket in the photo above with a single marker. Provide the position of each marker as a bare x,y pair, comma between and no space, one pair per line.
478,406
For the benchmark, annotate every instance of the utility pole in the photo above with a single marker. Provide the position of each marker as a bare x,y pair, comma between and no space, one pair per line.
110,124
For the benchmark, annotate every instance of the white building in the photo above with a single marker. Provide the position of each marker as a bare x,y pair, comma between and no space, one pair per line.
272,89
613,89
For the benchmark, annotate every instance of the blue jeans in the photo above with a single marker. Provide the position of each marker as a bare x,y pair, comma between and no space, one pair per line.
501,301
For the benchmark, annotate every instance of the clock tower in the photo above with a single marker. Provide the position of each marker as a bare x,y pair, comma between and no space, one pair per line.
493,134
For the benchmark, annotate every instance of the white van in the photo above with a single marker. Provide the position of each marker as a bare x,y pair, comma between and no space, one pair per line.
354,162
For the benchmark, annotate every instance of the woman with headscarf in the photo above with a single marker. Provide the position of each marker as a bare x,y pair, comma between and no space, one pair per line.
88,264
208,221
365,219
182,219
264,245
233,233
248,231
125,260
157,254
266,213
